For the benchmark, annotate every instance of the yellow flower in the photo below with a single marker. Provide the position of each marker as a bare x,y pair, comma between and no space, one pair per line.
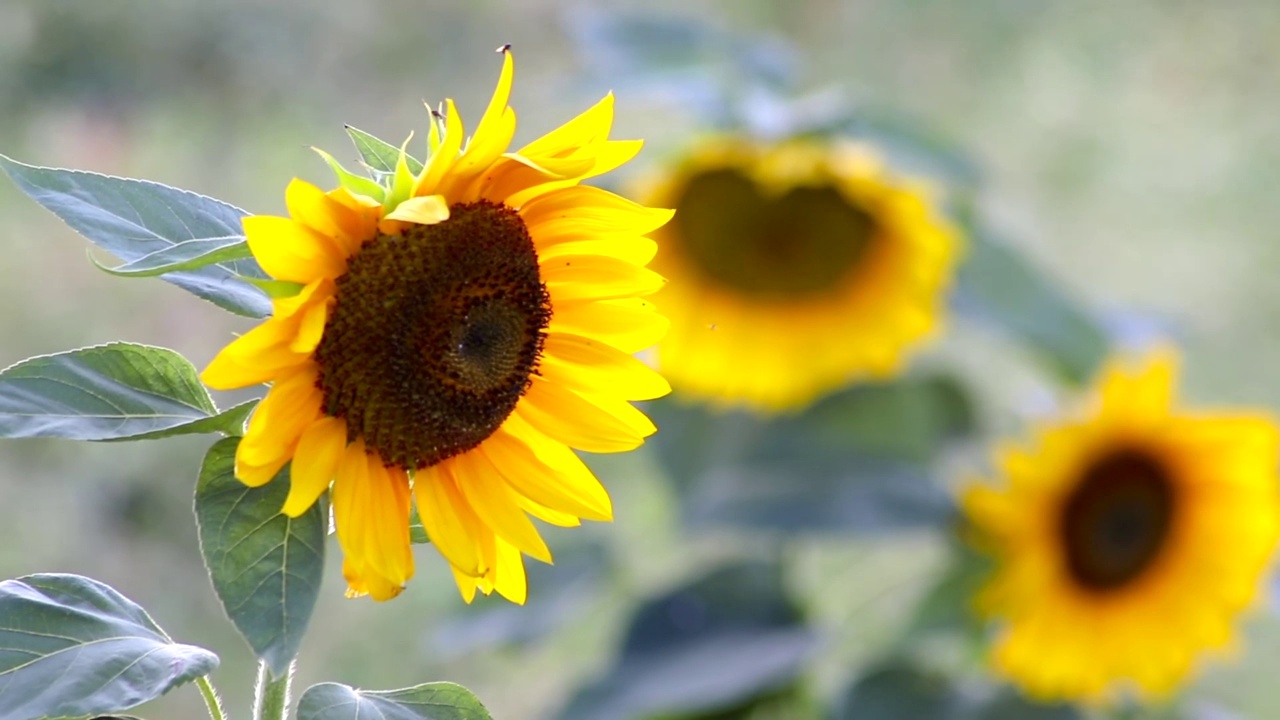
795,268
1127,539
457,331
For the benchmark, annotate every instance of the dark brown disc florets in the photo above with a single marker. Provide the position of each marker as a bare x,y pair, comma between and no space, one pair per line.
1117,519
434,335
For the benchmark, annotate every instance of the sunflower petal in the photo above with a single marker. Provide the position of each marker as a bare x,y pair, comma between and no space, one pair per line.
448,519
630,324
423,210
493,501
587,365
546,471
288,250
573,420
315,463
595,277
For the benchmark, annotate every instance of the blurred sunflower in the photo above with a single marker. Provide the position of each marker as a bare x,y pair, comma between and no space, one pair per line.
1127,540
794,268
450,335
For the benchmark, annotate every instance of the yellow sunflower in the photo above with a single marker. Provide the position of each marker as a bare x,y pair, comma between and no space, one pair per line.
1127,539
795,268
454,332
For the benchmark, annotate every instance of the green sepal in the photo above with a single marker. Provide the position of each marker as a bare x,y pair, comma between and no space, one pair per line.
402,180
352,182
277,289
380,156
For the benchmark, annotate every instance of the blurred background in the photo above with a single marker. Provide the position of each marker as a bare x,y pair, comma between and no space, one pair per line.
1127,151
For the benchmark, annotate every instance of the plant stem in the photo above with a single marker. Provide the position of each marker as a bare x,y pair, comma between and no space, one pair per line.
271,697
211,699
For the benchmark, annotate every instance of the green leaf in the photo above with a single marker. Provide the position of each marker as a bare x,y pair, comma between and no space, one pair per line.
430,701
712,644
897,689
136,219
189,255
859,461
380,155
1001,287
119,391
74,647
417,531
265,566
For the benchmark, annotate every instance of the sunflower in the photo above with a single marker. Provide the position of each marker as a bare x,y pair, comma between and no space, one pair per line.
1128,539
448,336
795,268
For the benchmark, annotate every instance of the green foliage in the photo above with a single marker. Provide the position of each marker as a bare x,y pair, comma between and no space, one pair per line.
717,642
899,691
150,227
380,156
857,461
429,701
266,567
74,647
999,286
119,391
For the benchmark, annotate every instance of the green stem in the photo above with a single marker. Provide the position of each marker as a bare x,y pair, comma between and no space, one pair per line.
211,699
271,698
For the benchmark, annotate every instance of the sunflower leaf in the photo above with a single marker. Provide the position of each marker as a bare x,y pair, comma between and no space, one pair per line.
119,391
713,644
188,255
999,286
380,155
137,219
351,181
265,566
74,647
897,689
430,701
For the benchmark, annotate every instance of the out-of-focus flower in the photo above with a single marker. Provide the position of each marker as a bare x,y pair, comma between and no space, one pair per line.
1128,538
794,268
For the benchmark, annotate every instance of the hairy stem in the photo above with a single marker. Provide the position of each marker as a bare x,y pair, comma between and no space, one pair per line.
271,697
211,699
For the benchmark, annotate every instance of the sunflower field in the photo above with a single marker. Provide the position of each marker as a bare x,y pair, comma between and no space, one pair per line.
830,360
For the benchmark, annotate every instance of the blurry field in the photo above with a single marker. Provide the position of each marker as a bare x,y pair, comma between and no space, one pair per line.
1130,148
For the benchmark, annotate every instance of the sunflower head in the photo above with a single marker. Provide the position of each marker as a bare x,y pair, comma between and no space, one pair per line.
448,332
1128,538
795,268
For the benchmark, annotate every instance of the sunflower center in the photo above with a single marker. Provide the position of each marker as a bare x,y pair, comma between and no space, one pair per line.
435,334
803,242
1117,519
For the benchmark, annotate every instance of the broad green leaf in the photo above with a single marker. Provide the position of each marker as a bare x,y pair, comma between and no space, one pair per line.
999,286
118,391
379,155
74,647
897,690
430,701
136,219
857,461
716,643
189,255
266,567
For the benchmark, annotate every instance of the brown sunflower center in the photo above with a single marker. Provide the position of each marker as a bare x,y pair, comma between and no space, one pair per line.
1117,519
803,242
435,334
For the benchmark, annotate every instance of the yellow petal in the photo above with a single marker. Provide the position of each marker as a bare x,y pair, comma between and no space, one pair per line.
310,329
629,324
289,408
596,277
315,463
466,585
320,211
631,248
287,250
493,501
588,365
258,475
573,420
424,210
546,471
585,209
257,356
591,125
509,577
388,503
448,519
442,160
